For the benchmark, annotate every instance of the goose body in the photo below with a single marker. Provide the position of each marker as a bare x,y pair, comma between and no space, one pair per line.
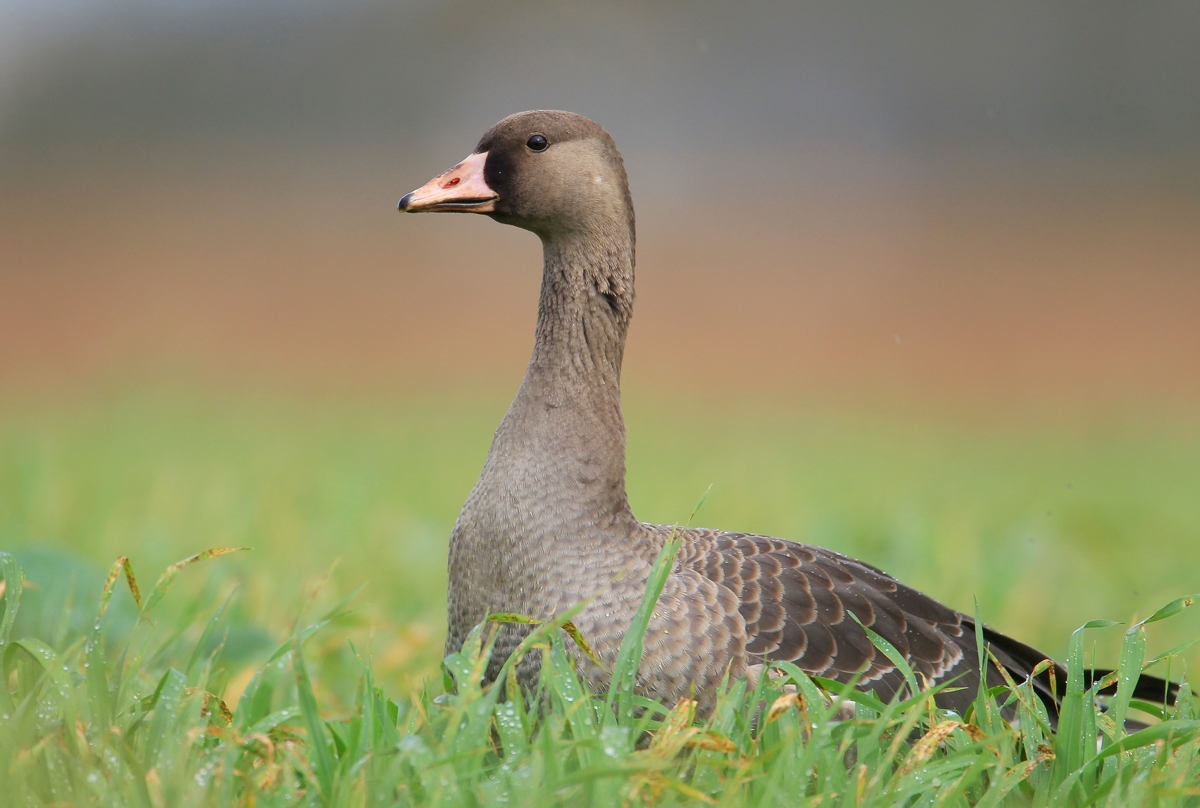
548,524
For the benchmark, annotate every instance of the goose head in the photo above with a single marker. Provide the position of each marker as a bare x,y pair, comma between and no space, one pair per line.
554,173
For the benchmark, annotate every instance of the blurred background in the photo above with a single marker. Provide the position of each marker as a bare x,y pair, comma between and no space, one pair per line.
919,282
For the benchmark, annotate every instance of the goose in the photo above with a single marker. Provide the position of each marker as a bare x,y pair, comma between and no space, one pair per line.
548,524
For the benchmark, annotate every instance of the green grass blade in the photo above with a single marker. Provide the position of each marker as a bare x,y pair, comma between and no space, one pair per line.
1173,732
1149,708
333,614
1129,670
273,720
1174,651
1185,701
629,657
576,701
192,670
47,659
985,713
166,708
567,626
13,581
1070,744
510,726
318,743
110,584
99,694
892,654
1173,608
172,572
1133,653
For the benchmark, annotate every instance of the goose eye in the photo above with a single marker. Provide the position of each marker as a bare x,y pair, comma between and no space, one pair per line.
537,143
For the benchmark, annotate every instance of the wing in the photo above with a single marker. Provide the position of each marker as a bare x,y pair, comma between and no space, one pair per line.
796,601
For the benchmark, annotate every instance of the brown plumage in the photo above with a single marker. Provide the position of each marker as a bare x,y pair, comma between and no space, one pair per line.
548,524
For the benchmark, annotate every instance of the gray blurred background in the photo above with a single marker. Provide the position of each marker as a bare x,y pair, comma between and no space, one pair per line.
1023,83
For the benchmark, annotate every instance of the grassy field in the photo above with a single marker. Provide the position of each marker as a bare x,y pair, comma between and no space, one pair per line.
1047,523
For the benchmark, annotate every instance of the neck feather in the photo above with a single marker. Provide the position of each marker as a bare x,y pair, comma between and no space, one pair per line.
563,439
584,311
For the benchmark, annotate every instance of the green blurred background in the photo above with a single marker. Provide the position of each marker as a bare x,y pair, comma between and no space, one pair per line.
919,282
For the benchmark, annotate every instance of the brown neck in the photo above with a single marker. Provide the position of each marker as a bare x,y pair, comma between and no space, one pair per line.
583,313
563,439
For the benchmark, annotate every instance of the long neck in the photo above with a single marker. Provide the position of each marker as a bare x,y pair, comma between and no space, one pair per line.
583,316
563,439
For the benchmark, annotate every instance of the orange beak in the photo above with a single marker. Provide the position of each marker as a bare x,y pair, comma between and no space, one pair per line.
461,189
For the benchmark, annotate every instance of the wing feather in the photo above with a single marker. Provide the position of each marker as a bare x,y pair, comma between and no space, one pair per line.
796,600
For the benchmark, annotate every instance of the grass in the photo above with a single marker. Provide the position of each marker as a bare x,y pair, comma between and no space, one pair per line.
142,722
198,695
